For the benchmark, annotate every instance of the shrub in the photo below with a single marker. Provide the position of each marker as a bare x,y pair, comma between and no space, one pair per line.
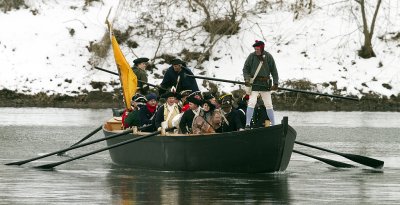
221,26
8,5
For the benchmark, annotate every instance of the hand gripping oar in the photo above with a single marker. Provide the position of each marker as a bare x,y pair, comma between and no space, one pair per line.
367,161
84,138
280,88
52,165
327,161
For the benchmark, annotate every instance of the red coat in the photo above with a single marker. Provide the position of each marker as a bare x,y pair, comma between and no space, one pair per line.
124,115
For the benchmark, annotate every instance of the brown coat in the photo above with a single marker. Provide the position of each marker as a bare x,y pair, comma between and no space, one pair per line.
201,125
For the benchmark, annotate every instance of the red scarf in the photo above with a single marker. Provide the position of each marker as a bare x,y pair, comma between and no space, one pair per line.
152,109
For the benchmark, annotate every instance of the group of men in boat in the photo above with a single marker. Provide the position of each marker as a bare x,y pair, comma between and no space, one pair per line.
191,111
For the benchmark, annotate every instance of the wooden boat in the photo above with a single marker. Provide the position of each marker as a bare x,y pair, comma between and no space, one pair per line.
259,150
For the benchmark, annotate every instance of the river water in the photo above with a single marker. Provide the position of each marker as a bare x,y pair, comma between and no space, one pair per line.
29,132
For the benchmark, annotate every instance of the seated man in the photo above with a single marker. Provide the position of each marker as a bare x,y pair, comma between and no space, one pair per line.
207,121
148,112
131,117
185,124
210,97
167,112
182,99
260,116
242,106
230,119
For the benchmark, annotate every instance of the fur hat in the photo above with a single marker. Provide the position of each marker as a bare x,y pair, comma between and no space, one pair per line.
151,96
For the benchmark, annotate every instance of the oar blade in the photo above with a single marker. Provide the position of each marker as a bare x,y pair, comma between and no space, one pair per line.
47,166
16,163
364,160
336,163
327,161
367,161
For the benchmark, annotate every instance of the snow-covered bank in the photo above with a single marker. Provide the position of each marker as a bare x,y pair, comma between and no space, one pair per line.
44,48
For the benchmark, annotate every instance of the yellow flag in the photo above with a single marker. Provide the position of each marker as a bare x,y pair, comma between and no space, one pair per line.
126,75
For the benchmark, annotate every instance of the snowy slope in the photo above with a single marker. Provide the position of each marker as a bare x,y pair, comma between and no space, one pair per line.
39,54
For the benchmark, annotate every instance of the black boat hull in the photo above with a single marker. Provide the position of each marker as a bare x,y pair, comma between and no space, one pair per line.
252,151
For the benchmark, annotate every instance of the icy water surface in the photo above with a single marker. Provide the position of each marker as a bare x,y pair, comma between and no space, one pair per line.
29,132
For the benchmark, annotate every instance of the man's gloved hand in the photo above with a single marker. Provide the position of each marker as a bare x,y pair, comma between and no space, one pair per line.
274,87
247,83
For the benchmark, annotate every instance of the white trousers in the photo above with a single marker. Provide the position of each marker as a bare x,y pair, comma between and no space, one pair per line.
266,97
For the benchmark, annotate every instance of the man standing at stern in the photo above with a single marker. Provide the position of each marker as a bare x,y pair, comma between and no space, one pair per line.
258,69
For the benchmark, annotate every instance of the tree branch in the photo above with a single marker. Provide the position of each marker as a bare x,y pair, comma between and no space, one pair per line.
378,4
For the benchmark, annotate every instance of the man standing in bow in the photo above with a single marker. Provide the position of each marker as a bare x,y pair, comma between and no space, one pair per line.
139,68
258,69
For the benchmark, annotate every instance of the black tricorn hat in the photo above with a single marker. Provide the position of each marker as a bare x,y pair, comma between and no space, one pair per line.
195,100
177,61
170,94
208,96
212,106
139,98
140,60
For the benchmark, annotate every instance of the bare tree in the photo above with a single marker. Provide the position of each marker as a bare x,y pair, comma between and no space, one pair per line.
366,50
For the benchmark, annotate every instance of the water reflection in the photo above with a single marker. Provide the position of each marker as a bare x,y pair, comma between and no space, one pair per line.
131,186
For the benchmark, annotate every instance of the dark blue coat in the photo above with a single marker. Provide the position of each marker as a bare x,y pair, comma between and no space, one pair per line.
147,118
185,83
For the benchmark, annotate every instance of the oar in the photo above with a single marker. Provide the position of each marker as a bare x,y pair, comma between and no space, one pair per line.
328,161
114,73
84,138
288,89
69,148
52,165
367,161
74,147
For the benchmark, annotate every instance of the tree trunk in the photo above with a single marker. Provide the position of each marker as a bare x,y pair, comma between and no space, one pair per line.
366,50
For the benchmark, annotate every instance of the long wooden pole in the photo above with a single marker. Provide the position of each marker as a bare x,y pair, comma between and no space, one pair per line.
52,165
280,88
114,73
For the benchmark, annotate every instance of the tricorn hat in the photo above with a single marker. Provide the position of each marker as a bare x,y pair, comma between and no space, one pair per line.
193,99
139,99
170,93
140,60
212,106
208,96
226,100
185,93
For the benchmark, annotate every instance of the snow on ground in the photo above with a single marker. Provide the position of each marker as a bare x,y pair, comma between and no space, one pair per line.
39,54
